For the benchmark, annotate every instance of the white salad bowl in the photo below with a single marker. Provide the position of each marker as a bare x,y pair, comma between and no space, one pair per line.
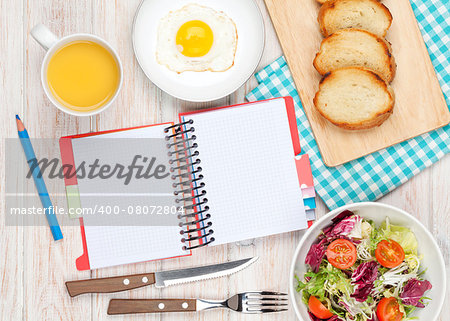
432,259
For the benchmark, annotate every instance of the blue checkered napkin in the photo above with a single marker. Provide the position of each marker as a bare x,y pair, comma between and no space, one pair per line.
370,177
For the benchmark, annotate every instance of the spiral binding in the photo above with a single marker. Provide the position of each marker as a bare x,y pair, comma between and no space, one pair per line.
195,222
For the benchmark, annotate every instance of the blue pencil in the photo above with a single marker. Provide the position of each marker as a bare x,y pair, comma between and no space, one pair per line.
39,181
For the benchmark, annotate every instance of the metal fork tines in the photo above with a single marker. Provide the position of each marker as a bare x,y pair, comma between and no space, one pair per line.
249,302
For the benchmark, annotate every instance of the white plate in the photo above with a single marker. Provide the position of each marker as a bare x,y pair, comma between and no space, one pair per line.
200,86
432,259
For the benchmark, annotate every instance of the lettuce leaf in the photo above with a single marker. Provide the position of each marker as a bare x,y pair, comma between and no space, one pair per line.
327,279
376,236
400,234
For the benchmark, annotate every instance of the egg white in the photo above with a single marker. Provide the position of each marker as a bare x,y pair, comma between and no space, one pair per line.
222,53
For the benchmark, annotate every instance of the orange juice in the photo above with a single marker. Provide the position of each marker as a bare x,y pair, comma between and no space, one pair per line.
83,75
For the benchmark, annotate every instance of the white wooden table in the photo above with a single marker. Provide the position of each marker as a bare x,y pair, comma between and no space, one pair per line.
33,268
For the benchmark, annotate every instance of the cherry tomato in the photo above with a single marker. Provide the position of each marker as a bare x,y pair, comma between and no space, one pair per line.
318,309
341,253
389,253
388,309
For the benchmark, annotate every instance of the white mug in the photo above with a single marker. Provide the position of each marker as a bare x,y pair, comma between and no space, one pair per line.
50,42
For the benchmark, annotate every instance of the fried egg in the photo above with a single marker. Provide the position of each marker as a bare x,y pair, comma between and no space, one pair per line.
196,38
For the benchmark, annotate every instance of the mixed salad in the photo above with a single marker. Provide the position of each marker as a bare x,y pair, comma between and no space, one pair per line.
361,272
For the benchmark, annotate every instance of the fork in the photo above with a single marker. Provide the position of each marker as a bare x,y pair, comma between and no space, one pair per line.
246,302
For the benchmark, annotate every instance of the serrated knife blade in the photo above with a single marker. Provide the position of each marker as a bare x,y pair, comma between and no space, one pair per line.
167,278
160,279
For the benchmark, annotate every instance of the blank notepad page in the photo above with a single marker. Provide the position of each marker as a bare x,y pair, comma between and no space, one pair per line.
247,160
121,244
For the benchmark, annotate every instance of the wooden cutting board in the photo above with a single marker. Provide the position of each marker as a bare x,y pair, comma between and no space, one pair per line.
419,103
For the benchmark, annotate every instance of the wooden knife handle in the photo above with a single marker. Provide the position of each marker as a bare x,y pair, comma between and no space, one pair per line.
127,306
108,285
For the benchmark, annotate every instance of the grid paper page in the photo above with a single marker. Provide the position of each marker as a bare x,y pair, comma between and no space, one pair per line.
114,245
247,161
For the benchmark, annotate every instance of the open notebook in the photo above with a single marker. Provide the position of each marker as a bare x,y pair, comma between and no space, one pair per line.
238,176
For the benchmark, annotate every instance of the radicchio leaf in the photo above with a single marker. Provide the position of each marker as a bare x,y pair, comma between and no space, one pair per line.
346,307
345,226
365,273
314,318
341,216
335,220
362,292
342,226
413,292
315,256
348,273
364,277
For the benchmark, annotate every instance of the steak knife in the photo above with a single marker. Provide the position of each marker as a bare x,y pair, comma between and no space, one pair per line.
160,279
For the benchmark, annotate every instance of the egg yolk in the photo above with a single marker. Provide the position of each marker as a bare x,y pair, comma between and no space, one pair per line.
194,38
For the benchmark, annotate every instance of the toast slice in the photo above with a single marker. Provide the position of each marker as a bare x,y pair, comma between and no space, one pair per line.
369,15
355,48
354,98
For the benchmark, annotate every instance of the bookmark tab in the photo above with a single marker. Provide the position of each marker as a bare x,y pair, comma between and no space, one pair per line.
305,179
304,172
